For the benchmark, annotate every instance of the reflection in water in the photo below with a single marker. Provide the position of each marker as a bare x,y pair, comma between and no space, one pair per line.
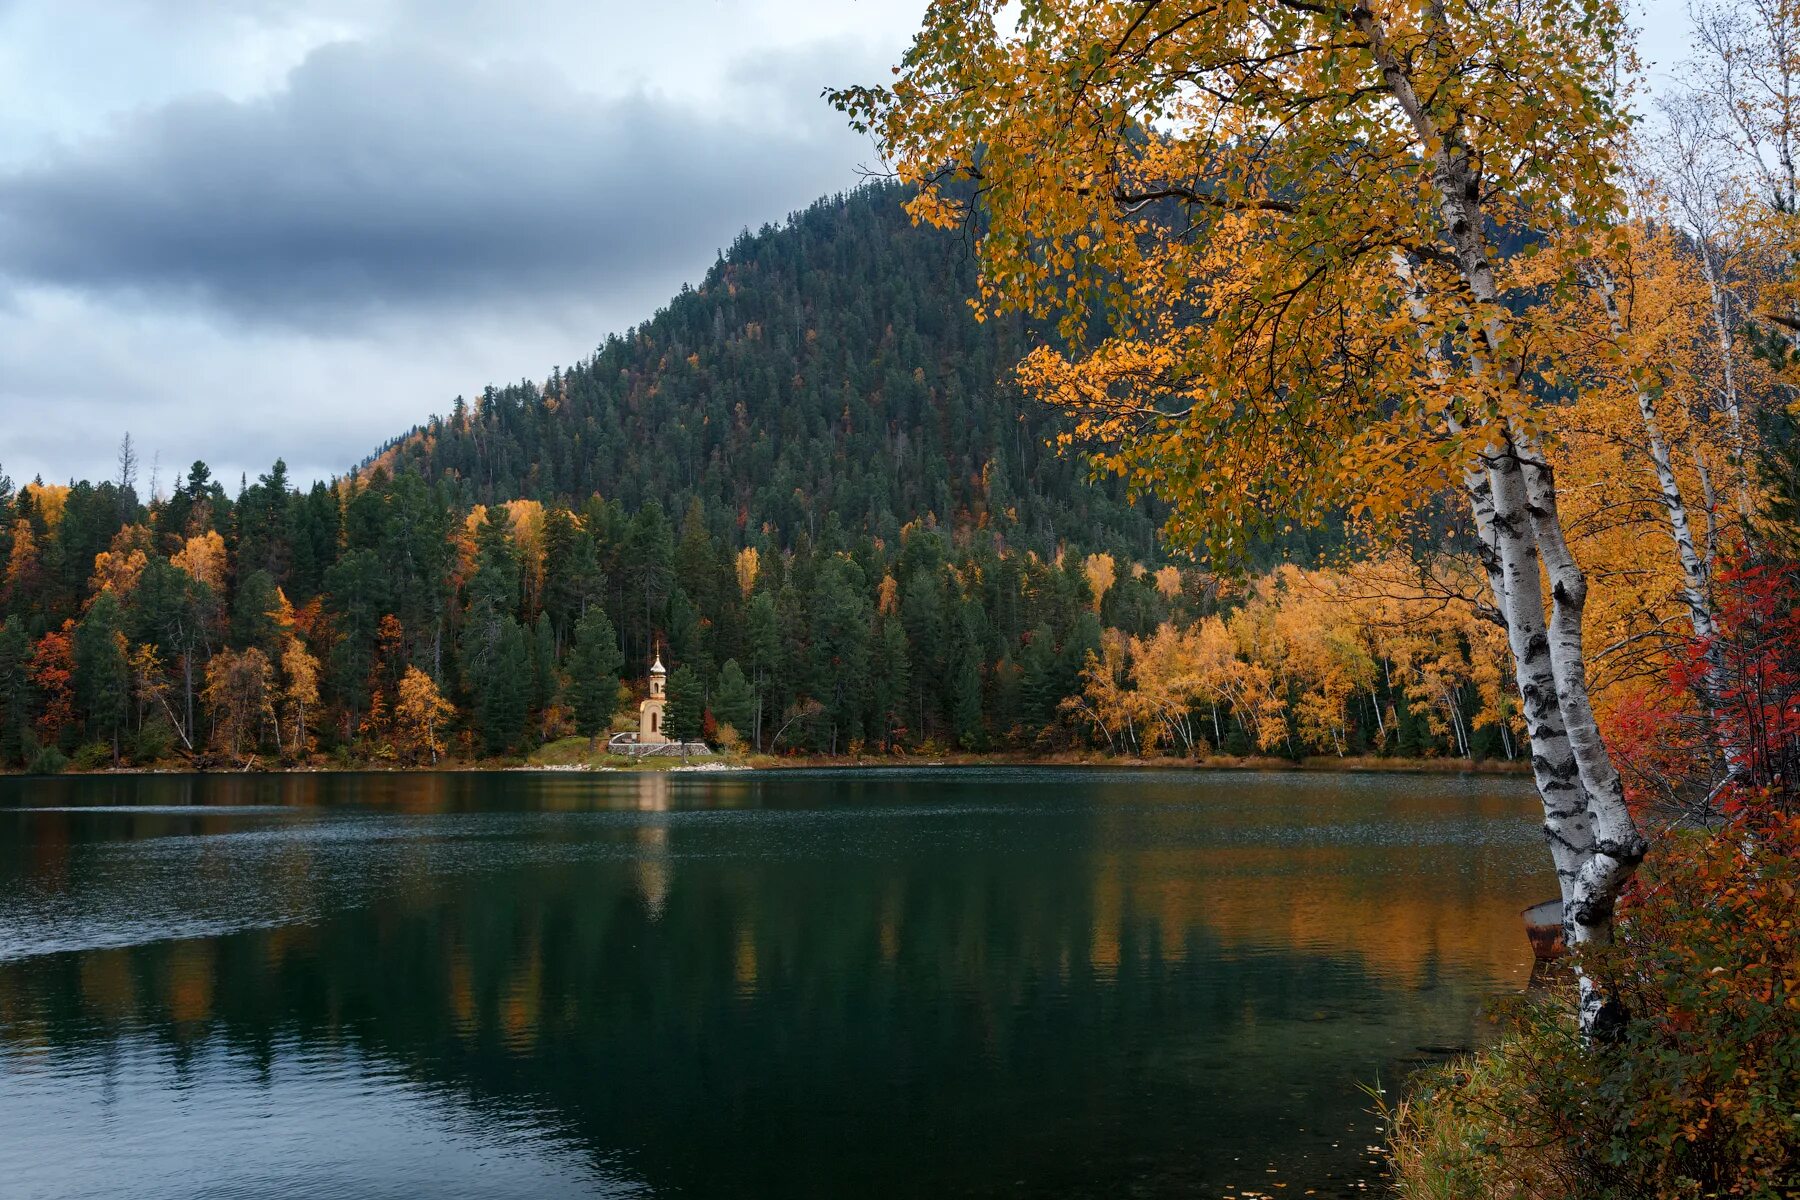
882,983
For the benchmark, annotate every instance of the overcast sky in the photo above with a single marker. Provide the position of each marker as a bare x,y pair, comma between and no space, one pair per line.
249,228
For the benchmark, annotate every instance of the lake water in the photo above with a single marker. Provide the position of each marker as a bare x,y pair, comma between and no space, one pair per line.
874,983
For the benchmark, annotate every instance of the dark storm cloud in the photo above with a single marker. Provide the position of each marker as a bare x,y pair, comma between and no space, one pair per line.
385,179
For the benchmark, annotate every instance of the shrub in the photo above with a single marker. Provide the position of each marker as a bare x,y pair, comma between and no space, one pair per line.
153,742
48,761
1702,1098
90,756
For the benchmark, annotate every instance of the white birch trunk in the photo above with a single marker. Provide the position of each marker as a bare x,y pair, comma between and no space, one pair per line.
1696,571
1728,390
1593,841
1696,567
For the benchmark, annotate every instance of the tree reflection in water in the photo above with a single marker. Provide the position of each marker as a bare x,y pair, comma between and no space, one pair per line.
888,983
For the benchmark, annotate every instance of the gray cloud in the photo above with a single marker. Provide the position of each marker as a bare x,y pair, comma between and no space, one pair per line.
383,178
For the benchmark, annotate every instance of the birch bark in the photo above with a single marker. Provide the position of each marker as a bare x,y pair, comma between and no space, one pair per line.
1593,840
1696,567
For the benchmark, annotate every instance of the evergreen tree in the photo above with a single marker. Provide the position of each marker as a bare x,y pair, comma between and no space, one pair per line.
735,702
648,565
1040,680
102,673
965,662
762,635
593,667
546,679
15,691
252,613
922,613
890,680
683,713
839,640
356,588
502,685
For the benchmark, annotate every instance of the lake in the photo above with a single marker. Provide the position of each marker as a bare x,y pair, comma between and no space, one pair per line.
931,982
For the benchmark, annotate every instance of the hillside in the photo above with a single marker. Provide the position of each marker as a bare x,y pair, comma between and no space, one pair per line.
827,368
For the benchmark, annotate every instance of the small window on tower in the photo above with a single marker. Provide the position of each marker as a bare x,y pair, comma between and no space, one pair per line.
655,721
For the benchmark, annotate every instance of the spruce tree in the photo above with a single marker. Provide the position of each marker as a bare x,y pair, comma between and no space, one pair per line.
503,688
683,715
15,691
102,674
762,633
965,679
593,668
252,620
735,703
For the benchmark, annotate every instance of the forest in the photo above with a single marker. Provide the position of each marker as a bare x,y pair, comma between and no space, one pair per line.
810,482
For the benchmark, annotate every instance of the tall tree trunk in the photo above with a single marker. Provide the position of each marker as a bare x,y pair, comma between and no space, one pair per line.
1593,841
1728,390
1696,569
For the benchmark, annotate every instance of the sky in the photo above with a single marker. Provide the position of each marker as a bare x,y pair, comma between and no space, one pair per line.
249,229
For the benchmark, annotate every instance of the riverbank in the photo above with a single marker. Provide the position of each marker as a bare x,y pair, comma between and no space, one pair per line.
1695,1098
573,755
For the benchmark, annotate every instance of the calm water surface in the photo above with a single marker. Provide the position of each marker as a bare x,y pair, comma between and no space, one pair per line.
882,983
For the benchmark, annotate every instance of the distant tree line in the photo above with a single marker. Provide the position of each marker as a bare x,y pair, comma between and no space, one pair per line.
378,618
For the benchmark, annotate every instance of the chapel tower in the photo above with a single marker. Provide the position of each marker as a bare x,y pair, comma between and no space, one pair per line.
650,712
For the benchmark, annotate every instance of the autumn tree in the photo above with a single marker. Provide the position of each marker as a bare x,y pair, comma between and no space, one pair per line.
420,715
52,674
299,692
238,697
1286,211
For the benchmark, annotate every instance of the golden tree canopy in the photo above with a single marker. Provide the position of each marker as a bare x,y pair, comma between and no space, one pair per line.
1209,199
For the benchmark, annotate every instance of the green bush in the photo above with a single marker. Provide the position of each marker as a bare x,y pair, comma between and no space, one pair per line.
152,742
48,761
1702,1098
90,756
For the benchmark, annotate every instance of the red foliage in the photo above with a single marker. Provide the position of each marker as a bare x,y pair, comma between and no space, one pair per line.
1756,688
52,672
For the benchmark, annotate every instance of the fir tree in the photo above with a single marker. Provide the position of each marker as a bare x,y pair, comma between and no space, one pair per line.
593,668
684,714
15,691
102,674
735,702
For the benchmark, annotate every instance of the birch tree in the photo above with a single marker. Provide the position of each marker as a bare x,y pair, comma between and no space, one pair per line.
1209,199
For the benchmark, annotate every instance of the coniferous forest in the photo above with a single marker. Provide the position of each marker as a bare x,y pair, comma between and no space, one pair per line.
811,481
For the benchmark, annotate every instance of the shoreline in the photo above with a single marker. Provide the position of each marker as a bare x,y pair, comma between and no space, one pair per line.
737,764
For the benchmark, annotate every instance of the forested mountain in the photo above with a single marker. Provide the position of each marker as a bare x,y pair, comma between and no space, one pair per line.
829,369
810,481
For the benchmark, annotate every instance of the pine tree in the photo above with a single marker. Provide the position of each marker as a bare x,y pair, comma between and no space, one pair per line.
763,635
102,673
839,641
735,703
503,688
1039,680
251,621
964,680
890,681
545,678
648,564
15,691
684,714
593,667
